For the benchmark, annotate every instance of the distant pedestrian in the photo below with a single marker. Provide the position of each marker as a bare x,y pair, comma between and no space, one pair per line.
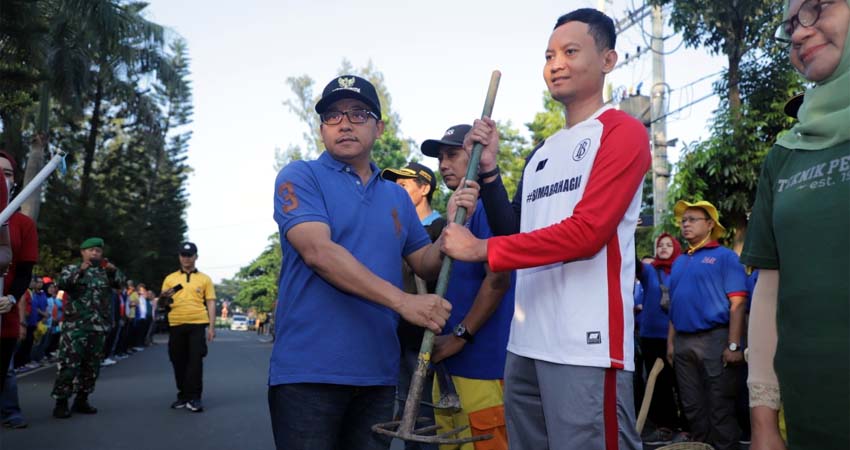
191,325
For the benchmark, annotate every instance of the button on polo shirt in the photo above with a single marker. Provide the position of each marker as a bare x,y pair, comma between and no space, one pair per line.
325,335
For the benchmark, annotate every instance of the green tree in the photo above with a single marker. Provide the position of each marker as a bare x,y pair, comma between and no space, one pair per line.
258,281
390,150
138,177
547,122
724,168
729,27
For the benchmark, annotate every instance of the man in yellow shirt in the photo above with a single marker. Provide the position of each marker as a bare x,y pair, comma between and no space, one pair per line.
192,305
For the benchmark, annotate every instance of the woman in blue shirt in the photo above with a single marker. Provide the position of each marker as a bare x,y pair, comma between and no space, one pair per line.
653,322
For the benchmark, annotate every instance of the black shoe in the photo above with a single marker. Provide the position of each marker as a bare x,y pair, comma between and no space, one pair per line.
194,406
178,404
81,405
61,411
16,424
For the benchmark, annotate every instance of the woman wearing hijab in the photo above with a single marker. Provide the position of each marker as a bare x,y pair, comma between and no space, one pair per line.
799,236
652,331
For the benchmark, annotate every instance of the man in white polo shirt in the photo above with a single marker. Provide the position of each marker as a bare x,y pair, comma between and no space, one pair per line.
569,233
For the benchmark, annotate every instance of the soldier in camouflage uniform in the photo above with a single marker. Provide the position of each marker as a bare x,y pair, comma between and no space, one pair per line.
88,316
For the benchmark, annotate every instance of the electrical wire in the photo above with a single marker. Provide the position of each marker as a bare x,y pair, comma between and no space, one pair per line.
683,107
644,34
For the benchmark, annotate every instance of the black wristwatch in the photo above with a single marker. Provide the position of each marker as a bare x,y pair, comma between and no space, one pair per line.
461,332
492,173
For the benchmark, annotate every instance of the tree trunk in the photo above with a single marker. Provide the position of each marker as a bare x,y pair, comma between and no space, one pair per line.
740,236
734,59
35,159
91,145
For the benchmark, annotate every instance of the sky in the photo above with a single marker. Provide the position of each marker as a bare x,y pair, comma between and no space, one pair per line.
436,58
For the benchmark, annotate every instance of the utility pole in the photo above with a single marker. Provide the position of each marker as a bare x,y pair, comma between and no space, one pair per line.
658,127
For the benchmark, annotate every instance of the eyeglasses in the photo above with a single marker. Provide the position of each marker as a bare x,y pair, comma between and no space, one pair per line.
693,219
356,116
807,16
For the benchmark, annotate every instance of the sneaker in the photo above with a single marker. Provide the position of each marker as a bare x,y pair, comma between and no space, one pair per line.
682,436
108,362
178,404
659,436
16,423
194,406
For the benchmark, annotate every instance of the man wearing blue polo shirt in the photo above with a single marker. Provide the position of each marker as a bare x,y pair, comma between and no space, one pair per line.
344,231
475,345
708,291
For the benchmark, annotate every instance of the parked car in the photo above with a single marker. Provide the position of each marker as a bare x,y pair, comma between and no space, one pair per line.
239,323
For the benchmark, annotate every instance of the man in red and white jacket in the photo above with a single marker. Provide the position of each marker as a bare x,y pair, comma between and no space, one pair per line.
569,233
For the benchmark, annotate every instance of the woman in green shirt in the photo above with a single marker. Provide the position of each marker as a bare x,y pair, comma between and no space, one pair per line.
799,236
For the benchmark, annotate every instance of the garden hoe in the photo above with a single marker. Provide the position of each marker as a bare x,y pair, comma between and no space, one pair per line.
405,428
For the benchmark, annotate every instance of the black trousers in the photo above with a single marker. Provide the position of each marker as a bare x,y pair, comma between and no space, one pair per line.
187,347
7,349
24,353
708,388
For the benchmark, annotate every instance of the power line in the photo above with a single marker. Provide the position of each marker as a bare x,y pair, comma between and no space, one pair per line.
683,107
698,80
629,58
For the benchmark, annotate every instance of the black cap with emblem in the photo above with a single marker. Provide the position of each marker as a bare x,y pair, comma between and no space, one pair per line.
188,249
350,86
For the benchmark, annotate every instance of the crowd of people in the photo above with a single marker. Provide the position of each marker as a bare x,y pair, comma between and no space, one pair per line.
86,317
588,320
548,324
43,305
134,316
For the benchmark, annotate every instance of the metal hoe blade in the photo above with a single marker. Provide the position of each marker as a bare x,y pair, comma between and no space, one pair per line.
405,429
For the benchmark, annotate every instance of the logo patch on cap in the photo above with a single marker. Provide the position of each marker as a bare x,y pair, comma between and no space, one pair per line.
346,83
450,131
187,247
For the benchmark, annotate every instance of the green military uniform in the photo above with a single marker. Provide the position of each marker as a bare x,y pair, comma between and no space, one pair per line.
88,316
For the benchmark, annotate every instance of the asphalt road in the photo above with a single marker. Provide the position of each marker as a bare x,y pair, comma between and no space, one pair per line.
133,399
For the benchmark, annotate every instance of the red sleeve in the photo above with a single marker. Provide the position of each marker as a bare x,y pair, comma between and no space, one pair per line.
26,247
617,172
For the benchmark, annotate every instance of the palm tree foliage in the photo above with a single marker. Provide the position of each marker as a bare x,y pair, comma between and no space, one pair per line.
111,88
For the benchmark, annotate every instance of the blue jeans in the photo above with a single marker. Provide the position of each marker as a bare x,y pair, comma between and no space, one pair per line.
308,416
10,408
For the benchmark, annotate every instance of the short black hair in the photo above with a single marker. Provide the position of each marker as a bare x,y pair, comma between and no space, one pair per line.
430,195
601,27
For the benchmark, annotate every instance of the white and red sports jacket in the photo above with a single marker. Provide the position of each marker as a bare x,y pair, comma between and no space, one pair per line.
577,207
